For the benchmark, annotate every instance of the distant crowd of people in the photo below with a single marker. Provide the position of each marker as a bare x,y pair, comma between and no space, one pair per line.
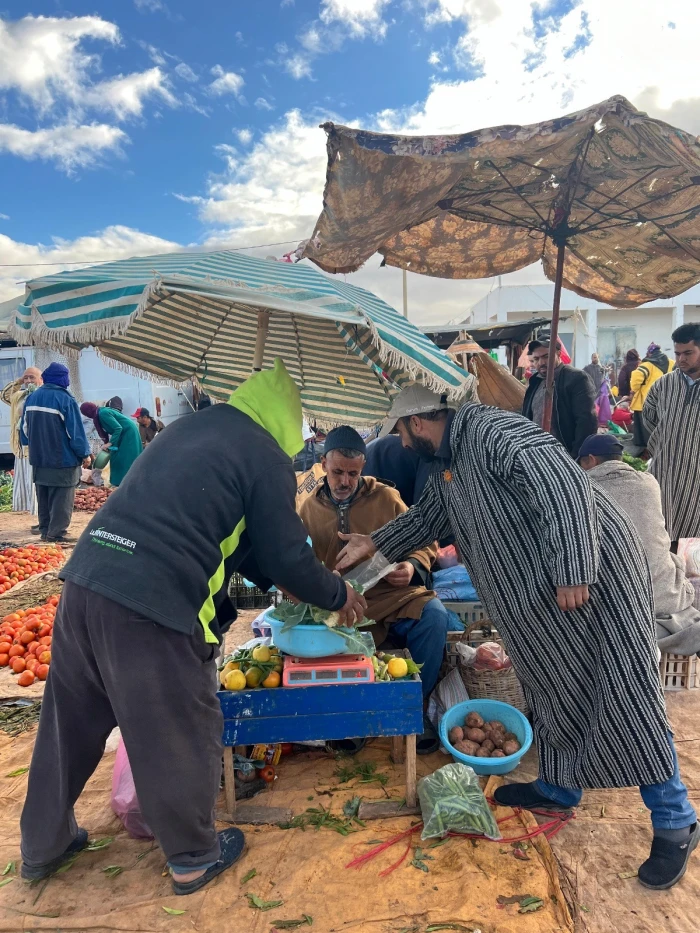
51,446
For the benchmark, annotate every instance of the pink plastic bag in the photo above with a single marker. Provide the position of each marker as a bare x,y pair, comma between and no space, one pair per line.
125,803
491,657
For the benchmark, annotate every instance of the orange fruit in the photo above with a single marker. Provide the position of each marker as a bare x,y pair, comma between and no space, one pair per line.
42,671
4,659
26,679
272,680
18,665
26,637
17,651
32,665
45,657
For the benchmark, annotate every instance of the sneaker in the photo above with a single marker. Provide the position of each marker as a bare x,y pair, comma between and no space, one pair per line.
62,539
35,530
38,872
667,861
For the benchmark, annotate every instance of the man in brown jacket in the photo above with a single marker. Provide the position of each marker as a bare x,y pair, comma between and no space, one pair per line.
405,612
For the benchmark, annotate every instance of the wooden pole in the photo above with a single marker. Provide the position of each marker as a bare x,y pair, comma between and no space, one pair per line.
553,335
260,339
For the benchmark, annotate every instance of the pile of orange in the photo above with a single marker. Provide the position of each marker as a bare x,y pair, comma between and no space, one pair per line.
25,641
21,563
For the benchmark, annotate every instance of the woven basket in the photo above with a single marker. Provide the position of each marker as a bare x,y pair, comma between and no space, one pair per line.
491,685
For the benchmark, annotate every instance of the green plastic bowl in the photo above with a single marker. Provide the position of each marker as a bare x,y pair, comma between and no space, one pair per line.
101,460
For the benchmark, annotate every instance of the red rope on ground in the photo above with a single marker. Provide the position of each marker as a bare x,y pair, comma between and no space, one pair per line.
548,830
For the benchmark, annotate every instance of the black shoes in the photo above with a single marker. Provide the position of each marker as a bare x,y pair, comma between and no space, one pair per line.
38,872
667,861
525,796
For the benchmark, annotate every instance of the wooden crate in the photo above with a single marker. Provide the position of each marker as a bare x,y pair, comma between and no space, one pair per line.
679,672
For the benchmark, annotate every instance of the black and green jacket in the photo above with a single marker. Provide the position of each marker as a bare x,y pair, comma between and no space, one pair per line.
213,495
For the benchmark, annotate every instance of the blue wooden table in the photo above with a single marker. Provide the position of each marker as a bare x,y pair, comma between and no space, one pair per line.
337,711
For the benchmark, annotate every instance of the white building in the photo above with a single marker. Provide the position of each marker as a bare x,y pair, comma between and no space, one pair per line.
590,326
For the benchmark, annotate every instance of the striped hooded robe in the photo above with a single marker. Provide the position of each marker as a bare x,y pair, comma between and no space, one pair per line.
526,519
672,415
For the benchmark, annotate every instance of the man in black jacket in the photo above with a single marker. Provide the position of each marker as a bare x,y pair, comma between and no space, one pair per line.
574,415
143,612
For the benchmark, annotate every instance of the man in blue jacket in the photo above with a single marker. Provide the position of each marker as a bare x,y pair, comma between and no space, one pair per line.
52,425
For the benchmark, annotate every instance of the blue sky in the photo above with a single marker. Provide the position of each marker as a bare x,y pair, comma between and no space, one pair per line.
143,125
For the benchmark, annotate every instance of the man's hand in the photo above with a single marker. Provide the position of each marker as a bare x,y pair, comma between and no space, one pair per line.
354,608
403,574
358,548
106,446
571,597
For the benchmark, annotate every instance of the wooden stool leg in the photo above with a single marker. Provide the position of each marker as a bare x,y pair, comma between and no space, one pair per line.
229,781
411,796
397,749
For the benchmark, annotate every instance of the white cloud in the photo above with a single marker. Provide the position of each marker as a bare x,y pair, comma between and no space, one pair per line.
70,146
125,94
262,104
434,58
115,242
150,6
4,216
226,82
41,57
184,71
298,66
245,136
359,17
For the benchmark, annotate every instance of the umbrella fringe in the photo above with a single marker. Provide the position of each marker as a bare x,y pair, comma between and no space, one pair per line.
60,338
398,360
142,373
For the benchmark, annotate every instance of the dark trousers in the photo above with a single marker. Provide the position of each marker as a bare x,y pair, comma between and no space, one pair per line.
55,505
111,666
639,430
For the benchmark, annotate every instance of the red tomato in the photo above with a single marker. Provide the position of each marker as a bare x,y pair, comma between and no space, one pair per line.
4,659
17,651
267,774
17,665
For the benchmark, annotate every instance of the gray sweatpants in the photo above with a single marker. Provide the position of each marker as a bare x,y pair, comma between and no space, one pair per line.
55,507
111,666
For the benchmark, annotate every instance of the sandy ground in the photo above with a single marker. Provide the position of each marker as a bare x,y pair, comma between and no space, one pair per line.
14,526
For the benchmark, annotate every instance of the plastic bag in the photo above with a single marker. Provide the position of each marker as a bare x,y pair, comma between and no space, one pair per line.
124,801
370,572
452,801
491,657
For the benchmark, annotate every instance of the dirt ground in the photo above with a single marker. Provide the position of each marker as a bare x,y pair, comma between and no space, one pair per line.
593,859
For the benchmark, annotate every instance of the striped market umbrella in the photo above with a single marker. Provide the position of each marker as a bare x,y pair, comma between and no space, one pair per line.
215,316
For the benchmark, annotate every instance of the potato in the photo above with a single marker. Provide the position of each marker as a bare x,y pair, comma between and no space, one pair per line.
497,739
495,726
467,748
475,735
498,754
511,747
488,745
482,753
510,737
455,734
474,721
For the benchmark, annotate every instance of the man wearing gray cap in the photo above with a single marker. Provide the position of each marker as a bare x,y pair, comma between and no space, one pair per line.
575,611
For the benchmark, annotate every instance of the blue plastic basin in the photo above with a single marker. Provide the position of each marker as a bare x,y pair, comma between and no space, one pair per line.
306,641
512,719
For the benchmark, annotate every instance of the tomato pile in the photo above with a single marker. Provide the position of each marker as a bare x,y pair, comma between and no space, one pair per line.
90,498
25,641
21,563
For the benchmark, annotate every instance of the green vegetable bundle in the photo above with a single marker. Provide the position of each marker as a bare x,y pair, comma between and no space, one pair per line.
635,462
452,801
5,492
293,614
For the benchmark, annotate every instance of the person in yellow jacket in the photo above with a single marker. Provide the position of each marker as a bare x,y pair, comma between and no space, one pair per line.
654,365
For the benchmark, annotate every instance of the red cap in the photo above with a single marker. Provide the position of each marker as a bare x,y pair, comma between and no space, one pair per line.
137,413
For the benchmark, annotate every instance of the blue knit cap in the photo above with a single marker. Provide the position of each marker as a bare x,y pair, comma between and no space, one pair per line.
57,374
344,438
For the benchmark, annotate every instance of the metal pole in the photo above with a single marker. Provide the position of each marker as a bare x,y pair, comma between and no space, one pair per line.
405,294
260,338
553,334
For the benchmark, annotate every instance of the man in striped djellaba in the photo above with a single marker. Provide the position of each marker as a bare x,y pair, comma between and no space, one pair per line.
672,415
575,611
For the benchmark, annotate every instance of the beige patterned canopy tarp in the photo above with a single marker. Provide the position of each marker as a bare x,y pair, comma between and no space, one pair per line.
622,191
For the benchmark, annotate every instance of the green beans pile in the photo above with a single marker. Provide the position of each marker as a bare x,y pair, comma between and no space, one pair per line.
451,800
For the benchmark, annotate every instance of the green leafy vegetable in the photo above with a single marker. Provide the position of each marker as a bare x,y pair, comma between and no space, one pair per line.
173,912
6,881
635,462
113,870
294,924
529,905
96,844
9,868
249,875
17,772
257,903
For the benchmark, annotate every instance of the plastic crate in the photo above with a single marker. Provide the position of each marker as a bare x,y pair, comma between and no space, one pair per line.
467,612
340,669
679,672
249,597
